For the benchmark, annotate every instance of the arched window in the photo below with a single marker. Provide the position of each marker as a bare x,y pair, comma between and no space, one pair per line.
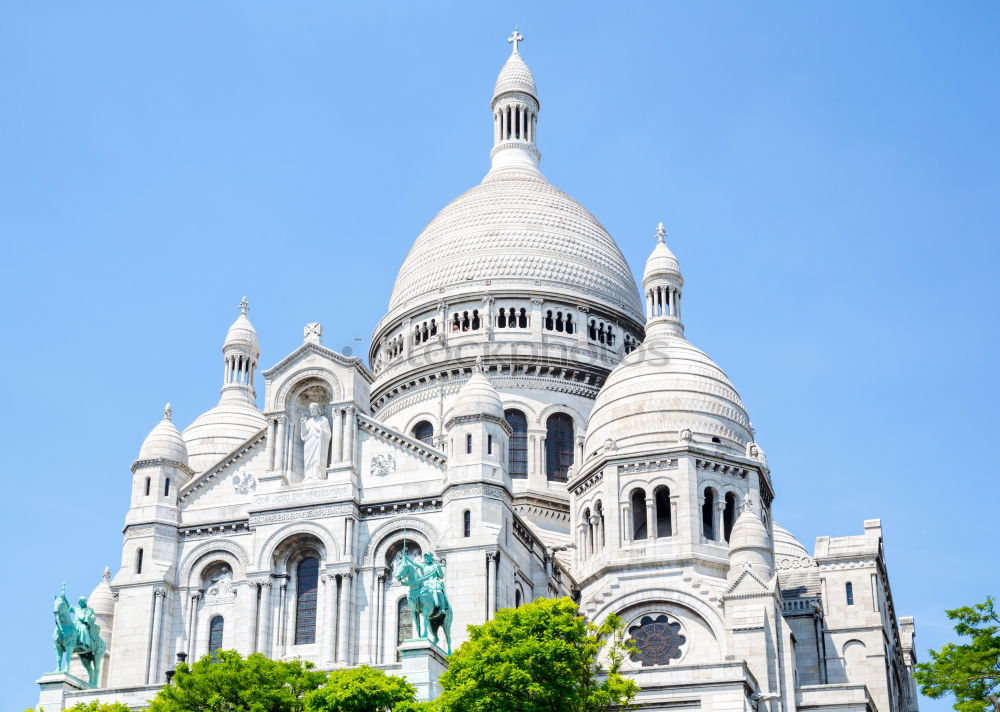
558,446
215,627
404,623
517,597
849,590
489,444
166,487
468,443
147,486
467,523
306,583
639,525
729,515
708,514
517,446
664,527
424,432
138,561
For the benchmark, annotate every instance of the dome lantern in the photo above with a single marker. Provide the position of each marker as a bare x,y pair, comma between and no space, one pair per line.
661,285
515,116
240,353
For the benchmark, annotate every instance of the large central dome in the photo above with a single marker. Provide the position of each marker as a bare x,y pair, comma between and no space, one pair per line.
516,229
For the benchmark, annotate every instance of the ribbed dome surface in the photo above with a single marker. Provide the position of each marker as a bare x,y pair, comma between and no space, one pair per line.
663,387
517,233
749,532
102,600
242,333
218,432
787,546
478,397
515,76
164,442
662,260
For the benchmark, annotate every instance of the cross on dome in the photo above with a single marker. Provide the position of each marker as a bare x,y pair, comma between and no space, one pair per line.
167,411
660,232
244,306
515,38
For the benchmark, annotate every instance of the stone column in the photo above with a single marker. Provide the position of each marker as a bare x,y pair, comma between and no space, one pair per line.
650,518
626,523
350,423
349,537
192,617
337,436
264,618
491,584
330,631
720,506
488,315
595,532
536,318
583,313
153,669
246,603
272,436
282,622
674,522
343,628
280,443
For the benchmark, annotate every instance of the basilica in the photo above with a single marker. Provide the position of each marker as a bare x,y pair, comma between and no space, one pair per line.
534,423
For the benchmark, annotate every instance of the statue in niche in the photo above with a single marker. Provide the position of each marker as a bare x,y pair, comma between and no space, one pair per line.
315,434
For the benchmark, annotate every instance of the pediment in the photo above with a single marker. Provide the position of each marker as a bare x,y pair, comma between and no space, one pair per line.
399,444
217,481
308,349
749,583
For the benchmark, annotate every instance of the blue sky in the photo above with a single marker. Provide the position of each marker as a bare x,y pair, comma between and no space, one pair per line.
827,173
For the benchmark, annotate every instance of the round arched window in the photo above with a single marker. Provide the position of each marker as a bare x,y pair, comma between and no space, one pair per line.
657,640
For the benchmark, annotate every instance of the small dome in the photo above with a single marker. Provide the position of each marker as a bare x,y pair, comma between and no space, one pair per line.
787,546
102,599
663,391
164,442
515,76
478,397
218,432
661,262
749,532
242,333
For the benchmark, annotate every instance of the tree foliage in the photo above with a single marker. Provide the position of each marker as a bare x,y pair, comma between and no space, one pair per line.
232,683
362,689
94,706
539,657
969,671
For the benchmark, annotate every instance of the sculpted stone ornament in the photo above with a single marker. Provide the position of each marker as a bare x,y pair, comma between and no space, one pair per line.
429,603
315,436
244,483
77,632
383,465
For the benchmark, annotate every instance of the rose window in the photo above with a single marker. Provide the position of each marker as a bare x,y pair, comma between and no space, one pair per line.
657,641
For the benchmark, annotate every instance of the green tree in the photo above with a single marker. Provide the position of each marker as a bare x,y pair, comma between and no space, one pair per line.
540,657
362,689
232,683
969,671
94,706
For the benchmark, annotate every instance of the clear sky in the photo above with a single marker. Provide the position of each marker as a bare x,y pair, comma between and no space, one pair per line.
827,172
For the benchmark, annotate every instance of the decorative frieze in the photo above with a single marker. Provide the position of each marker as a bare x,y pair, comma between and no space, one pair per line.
211,530
413,506
669,463
591,481
331,493
296,514
132,532
477,490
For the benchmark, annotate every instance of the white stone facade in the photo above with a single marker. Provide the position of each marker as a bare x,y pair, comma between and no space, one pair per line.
539,427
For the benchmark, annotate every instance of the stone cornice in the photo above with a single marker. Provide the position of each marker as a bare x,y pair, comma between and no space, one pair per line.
462,419
162,461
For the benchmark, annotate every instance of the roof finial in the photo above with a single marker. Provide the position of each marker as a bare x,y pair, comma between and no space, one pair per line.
515,38
244,306
106,575
660,232
480,368
167,412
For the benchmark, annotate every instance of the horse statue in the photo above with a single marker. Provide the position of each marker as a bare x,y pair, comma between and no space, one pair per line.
429,604
77,632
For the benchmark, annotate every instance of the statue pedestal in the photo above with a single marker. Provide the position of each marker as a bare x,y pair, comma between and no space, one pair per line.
54,686
423,663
